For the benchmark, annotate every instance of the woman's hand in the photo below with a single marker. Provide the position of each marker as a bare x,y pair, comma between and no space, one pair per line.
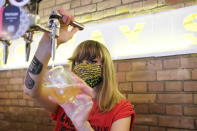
65,35
78,110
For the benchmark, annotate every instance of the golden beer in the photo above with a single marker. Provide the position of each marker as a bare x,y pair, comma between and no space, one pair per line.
63,94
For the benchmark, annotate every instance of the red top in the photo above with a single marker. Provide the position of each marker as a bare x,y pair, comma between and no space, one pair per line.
98,121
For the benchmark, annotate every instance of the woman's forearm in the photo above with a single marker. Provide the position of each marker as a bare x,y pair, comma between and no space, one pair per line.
86,127
37,68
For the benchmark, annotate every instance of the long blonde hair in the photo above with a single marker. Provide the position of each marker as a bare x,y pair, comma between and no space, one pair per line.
107,94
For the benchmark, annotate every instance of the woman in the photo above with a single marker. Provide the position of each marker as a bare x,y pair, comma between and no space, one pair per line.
94,73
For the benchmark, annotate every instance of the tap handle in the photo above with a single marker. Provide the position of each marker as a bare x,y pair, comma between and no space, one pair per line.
55,14
54,25
6,44
28,40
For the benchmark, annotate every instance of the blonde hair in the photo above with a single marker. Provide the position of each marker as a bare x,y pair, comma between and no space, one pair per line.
108,94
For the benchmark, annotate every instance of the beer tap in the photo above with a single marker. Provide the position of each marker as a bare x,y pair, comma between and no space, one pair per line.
28,40
34,26
53,30
54,25
6,44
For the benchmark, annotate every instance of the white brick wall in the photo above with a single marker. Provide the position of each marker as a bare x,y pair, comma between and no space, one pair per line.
96,11
108,4
85,9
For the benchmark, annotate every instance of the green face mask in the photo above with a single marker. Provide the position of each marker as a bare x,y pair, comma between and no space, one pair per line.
90,73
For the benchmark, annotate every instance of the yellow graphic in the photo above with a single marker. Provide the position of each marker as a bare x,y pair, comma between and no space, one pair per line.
191,37
191,25
132,36
96,35
189,22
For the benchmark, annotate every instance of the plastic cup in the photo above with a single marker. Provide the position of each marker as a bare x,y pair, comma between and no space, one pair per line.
60,85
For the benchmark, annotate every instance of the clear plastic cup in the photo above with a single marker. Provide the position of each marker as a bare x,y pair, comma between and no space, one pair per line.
60,85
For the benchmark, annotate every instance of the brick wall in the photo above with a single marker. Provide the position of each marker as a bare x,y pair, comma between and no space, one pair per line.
163,89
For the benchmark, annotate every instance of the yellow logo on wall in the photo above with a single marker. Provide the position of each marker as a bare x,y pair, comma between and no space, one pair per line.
190,24
132,36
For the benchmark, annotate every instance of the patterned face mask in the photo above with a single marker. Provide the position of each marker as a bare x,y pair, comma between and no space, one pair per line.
90,73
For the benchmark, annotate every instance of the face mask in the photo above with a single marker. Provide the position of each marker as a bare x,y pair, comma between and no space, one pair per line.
90,73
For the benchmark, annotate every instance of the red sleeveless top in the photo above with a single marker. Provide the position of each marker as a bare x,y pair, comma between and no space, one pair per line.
98,121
